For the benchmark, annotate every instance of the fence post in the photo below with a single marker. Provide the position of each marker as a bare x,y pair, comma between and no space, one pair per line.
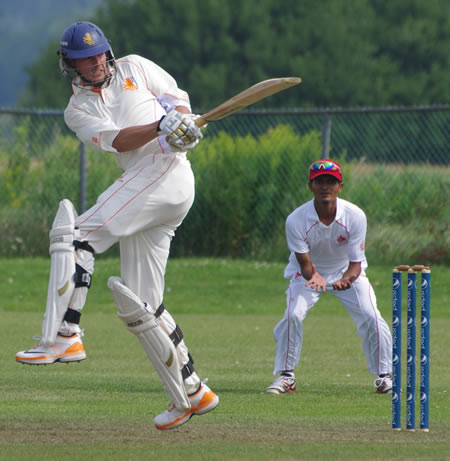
82,206
326,133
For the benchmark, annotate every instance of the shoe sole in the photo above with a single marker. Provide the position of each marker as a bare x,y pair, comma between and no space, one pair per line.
189,414
51,360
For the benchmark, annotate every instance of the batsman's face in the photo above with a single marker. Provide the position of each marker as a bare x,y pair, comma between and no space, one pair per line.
93,69
325,188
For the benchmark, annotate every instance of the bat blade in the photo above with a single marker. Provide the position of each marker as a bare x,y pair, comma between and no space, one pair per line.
247,97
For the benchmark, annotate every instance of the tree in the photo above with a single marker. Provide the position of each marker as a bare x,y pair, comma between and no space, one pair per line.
47,87
361,53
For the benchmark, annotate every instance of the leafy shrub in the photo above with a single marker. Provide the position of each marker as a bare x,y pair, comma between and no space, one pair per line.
31,188
407,212
246,186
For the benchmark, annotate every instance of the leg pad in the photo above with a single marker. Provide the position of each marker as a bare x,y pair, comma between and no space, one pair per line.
159,348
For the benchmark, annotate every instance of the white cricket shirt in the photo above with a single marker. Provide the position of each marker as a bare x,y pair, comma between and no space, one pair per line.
140,93
331,247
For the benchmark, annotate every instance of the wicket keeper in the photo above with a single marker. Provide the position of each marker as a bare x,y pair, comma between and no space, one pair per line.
326,238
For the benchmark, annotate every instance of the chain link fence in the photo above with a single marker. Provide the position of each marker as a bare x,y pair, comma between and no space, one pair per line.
251,172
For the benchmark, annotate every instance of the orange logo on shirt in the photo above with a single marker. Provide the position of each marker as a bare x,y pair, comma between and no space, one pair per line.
88,39
130,84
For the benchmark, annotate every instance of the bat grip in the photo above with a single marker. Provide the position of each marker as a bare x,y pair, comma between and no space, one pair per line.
200,121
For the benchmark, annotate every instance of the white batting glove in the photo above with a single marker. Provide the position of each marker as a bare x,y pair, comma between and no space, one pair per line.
173,148
180,130
184,148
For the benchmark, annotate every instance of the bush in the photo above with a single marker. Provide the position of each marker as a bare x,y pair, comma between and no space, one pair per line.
246,186
406,210
31,188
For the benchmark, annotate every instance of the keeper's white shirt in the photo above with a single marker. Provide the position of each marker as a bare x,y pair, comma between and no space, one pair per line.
332,247
140,93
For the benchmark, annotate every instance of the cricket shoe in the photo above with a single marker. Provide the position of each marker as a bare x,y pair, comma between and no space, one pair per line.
66,349
384,384
282,385
202,401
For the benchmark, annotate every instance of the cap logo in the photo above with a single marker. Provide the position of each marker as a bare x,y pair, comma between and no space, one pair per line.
88,39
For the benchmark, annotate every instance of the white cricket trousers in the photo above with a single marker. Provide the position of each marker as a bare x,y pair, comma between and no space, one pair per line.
360,303
141,210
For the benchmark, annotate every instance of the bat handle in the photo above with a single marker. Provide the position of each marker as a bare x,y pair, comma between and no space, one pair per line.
200,121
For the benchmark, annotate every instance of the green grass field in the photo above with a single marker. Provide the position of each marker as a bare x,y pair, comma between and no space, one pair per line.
103,408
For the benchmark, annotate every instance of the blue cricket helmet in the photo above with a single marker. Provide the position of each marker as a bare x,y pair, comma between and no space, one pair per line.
83,40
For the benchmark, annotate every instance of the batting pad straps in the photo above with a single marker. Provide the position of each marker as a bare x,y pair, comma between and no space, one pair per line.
85,268
72,316
160,310
78,244
188,369
176,336
82,277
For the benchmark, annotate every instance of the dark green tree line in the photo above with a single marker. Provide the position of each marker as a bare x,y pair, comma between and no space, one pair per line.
348,53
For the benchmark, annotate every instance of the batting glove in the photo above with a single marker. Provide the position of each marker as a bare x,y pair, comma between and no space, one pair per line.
180,129
184,148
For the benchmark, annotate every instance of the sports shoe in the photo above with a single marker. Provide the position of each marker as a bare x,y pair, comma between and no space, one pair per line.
203,401
66,349
383,384
282,385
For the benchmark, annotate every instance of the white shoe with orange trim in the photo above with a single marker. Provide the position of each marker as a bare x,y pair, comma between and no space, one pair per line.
202,401
66,349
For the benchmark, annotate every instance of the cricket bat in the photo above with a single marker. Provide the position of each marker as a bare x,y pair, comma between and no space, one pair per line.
249,96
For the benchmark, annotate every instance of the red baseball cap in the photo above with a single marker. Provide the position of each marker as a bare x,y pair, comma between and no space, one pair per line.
325,166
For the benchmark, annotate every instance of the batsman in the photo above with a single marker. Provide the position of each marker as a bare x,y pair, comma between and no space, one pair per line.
131,108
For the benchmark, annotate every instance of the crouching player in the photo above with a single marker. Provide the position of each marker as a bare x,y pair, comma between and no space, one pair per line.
326,237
